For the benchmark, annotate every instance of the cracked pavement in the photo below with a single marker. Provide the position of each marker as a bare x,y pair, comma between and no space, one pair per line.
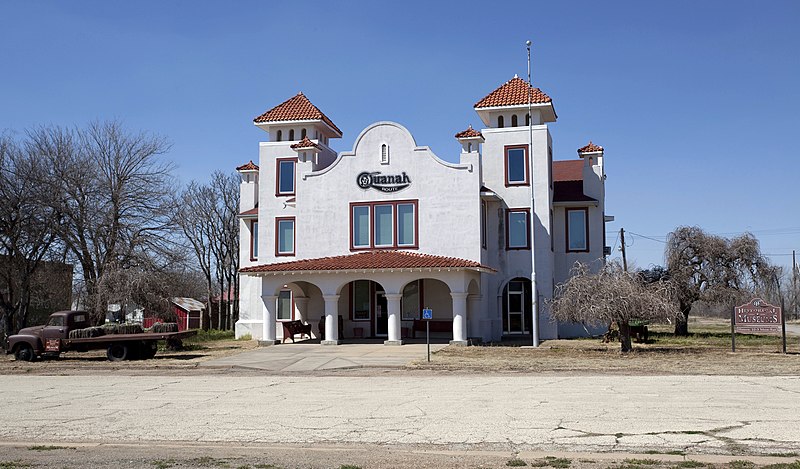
695,414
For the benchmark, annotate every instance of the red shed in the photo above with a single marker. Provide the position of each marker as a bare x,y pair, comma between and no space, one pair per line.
187,312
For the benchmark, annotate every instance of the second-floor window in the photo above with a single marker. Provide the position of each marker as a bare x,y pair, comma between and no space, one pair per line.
484,215
284,184
254,241
284,236
577,230
516,163
518,228
383,225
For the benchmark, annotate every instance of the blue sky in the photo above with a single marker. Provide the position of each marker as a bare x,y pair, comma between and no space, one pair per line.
696,103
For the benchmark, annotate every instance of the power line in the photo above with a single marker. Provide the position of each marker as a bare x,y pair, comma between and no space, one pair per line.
647,237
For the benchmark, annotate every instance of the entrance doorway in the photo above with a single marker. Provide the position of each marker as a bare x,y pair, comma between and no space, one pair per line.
517,306
381,314
369,312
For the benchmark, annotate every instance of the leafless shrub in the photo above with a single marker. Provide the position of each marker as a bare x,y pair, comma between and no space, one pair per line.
612,295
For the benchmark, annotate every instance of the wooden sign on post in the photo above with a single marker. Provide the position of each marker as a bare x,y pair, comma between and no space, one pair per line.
757,317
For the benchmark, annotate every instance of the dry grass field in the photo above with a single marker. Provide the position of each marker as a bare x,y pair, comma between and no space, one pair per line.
707,350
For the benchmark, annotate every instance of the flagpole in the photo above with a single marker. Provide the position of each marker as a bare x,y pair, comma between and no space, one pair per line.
535,292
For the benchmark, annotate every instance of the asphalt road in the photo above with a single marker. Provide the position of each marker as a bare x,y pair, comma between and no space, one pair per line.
697,414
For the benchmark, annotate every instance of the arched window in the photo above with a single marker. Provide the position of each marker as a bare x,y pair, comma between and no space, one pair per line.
500,124
527,119
384,154
302,134
469,147
514,120
280,135
291,134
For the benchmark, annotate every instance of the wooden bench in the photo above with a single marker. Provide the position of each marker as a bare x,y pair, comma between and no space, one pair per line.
436,326
290,328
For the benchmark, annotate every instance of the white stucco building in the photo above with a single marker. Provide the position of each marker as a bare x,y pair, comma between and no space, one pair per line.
358,243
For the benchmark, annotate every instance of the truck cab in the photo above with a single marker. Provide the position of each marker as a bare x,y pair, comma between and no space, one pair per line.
58,327
33,341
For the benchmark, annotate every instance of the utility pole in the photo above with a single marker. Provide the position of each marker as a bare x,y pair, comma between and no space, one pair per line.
624,256
794,285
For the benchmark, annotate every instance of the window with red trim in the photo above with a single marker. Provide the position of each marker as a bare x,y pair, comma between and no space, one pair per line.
285,176
518,228
516,165
577,230
253,240
284,236
384,225
484,215
285,306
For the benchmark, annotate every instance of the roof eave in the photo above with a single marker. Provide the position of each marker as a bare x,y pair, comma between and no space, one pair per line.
576,203
482,269
265,125
476,138
551,116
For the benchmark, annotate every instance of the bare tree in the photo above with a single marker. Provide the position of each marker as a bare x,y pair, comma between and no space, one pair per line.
226,245
114,197
612,295
208,217
716,270
27,237
194,219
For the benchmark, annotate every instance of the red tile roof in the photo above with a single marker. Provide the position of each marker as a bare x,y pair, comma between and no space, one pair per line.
570,170
469,133
296,108
591,147
249,213
250,166
513,92
305,143
570,191
370,260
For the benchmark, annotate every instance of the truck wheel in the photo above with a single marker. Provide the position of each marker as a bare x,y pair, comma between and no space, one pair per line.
174,344
117,352
149,349
24,353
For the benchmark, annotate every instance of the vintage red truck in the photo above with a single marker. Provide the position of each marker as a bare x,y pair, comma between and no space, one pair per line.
53,339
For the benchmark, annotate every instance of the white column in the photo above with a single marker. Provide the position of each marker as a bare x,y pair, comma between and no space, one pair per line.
268,315
459,318
393,306
474,316
301,304
331,320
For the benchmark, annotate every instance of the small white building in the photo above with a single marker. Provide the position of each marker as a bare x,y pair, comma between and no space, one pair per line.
373,235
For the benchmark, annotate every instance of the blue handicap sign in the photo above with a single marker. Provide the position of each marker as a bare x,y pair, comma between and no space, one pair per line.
427,313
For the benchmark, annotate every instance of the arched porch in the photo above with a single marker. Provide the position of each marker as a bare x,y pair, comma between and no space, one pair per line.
383,301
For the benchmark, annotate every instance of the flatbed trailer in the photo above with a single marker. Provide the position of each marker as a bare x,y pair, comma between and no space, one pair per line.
53,339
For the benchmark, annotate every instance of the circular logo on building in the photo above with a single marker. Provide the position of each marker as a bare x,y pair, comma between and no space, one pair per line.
364,180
